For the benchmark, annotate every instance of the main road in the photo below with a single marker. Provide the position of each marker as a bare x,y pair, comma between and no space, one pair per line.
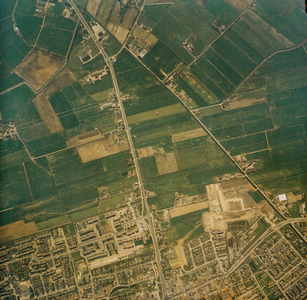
124,117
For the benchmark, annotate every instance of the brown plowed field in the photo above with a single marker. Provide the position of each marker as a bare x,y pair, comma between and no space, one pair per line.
16,231
38,67
47,113
101,148
65,78
166,163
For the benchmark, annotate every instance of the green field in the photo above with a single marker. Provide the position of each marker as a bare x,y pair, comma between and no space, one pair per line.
184,224
282,148
149,167
14,101
135,79
186,20
81,3
113,46
76,66
47,144
21,46
154,12
257,197
6,8
223,66
104,11
69,121
59,102
161,58
14,188
55,40
125,62
7,78
55,19
173,36
26,7
29,27
111,203
7,33
11,55
104,84
148,99
235,54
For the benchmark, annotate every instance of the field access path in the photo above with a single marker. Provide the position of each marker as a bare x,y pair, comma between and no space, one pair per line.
137,167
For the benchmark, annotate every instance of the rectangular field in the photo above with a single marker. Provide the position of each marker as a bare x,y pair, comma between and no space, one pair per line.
47,113
16,231
183,210
84,138
187,135
38,67
166,163
157,113
101,148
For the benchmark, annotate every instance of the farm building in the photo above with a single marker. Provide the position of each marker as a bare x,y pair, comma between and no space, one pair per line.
282,197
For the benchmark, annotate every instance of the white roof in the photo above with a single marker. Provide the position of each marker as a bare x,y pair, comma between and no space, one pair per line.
282,197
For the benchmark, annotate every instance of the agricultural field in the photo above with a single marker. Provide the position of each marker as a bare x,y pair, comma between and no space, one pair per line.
161,59
174,128
117,17
12,50
57,33
272,130
60,127
233,56
183,159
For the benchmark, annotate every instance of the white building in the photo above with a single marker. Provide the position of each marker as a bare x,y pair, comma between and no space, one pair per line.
282,197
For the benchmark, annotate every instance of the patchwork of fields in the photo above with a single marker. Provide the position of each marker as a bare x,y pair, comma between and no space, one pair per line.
59,171
183,159
59,181
26,30
274,130
234,55
73,153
